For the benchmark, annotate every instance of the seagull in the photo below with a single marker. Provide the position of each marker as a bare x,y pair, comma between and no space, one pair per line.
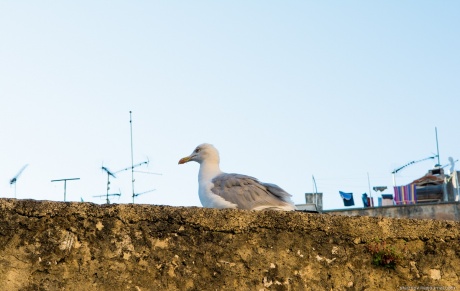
217,189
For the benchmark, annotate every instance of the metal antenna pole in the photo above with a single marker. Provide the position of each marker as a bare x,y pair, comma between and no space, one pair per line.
109,173
314,183
107,196
132,155
369,184
108,188
315,190
132,159
14,180
437,145
65,184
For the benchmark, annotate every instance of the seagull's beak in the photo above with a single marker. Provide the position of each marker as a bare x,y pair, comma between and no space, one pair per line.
185,160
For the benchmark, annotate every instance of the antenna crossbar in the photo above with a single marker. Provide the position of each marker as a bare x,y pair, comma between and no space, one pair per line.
65,184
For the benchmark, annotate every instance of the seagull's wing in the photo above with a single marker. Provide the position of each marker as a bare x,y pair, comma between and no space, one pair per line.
248,193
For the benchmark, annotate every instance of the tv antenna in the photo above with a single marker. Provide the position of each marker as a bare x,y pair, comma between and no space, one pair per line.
65,183
15,178
134,195
437,147
107,196
315,189
139,194
408,164
109,173
112,174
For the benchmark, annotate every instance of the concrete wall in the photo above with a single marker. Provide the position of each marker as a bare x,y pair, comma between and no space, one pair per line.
439,211
48,245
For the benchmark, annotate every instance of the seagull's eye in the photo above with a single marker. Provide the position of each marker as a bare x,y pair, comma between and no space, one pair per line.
197,150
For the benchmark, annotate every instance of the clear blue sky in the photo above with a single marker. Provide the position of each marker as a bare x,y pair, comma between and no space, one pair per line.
284,89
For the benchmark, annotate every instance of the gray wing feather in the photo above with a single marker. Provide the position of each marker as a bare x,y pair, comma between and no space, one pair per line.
248,193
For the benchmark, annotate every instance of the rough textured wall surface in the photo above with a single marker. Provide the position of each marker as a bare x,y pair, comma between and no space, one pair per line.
440,211
83,246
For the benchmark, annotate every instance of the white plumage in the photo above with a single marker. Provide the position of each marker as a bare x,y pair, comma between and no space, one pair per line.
222,190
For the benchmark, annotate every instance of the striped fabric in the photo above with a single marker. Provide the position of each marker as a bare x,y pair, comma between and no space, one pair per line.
405,194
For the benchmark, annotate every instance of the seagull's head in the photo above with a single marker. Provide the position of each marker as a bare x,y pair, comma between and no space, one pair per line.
203,152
